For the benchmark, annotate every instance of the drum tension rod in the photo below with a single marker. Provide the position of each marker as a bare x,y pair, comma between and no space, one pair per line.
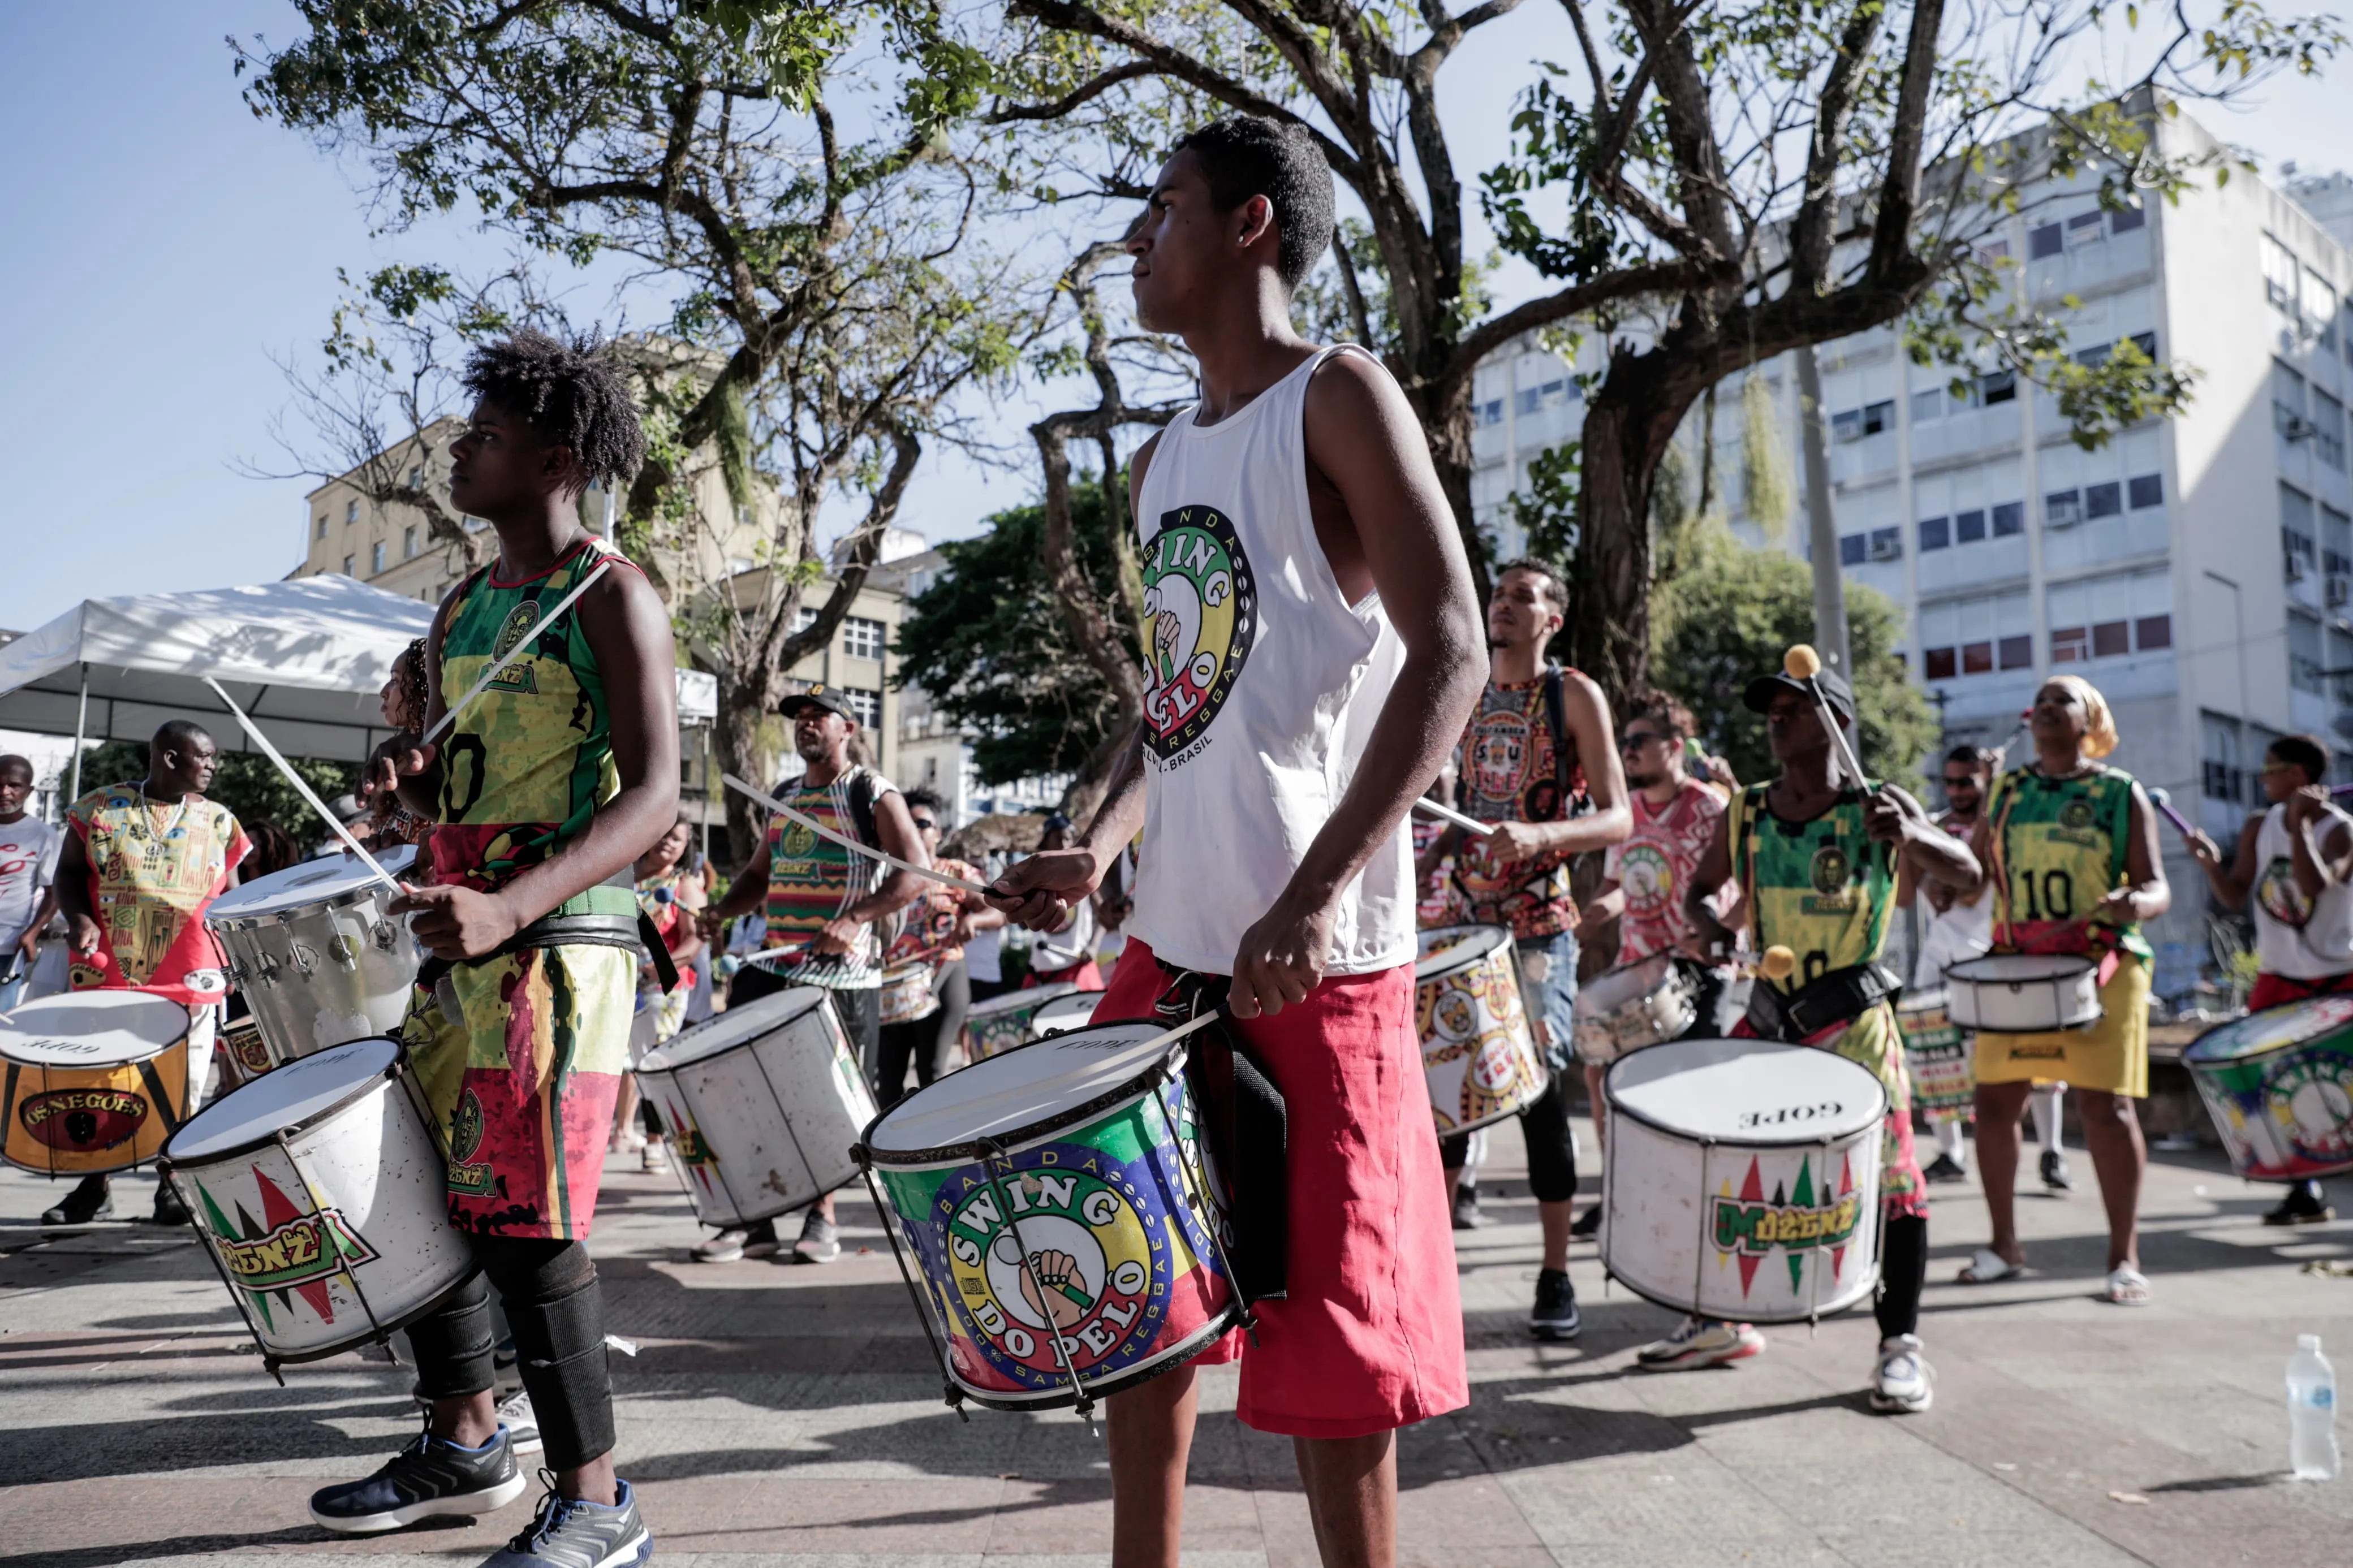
949,1389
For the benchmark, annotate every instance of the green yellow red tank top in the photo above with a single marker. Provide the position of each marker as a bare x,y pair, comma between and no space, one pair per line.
2058,850
528,762
1821,889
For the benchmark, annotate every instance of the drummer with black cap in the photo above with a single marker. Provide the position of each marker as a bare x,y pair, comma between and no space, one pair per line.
1815,852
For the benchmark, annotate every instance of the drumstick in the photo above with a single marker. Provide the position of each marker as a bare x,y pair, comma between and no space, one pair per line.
1448,814
302,788
2162,798
1802,663
822,831
523,644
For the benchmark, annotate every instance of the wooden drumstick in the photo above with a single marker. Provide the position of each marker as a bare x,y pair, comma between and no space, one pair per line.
822,831
1802,663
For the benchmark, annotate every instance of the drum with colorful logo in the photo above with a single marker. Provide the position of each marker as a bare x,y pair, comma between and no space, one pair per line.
322,1196
1477,1049
93,1081
316,953
2279,1084
2025,993
1741,1178
241,1056
1064,1014
1938,1057
1634,1005
1003,1022
907,994
1056,1218
761,1104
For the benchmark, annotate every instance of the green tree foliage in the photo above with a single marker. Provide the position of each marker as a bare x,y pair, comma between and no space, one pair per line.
1729,617
990,642
247,783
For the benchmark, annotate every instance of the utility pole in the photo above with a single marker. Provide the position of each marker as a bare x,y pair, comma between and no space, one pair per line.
1821,529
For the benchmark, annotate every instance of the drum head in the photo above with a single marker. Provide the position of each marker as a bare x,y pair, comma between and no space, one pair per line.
91,1029
1067,1013
735,1027
326,880
2274,1028
1019,1089
280,1101
1999,968
1745,1091
1015,1001
1445,949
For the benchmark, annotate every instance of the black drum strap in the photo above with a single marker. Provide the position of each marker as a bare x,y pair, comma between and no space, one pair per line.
1242,1120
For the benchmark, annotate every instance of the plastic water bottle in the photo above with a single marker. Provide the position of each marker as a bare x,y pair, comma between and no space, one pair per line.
2311,1412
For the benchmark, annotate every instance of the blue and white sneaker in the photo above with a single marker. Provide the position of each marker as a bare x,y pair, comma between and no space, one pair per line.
430,1478
567,1533
1903,1386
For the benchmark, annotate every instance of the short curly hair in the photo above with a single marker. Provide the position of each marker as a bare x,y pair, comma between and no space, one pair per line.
574,394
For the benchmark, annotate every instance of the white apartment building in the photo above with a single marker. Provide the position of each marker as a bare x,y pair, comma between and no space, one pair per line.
2198,571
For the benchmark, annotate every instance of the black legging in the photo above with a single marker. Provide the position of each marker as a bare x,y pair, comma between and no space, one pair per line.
549,1291
1902,1271
930,1042
1551,1148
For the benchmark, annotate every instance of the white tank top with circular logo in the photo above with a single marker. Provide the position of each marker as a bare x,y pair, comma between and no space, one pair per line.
2300,938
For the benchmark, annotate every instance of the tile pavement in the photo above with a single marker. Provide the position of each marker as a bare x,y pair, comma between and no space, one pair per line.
778,1415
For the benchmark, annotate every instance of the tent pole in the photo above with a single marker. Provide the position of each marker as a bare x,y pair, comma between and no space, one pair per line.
705,813
81,728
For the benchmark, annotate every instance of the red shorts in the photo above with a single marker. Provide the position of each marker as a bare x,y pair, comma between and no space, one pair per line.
1369,1337
2279,990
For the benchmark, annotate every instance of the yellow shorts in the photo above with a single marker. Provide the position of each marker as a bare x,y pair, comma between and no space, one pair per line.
2112,1055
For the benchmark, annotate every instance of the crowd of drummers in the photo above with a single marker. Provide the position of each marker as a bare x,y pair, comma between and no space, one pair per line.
1324,930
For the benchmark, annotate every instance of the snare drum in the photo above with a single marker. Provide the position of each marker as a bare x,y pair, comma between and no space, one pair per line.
1938,1057
1003,1022
1064,1014
2025,993
1741,1178
323,1199
1079,1259
907,994
763,1103
318,958
1477,1050
2279,1084
91,1080
1633,1005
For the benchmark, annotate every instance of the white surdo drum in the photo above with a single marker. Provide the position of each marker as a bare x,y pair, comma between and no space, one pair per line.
322,1198
763,1104
1064,1014
2023,993
318,958
1741,1178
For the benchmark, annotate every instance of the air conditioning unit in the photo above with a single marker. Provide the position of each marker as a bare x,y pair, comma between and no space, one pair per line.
2340,589
1886,549
2297,569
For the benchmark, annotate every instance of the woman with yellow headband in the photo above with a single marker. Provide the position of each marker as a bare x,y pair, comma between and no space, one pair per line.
2071,846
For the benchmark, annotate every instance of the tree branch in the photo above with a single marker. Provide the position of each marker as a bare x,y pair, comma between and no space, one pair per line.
1083,93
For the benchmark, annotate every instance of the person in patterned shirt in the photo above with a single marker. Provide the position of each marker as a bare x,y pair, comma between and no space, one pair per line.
1539,759
141,864
938,924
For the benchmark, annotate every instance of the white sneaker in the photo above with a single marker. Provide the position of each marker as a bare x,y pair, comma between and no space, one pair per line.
1701,1341
740,1242
1903,1384
516,1416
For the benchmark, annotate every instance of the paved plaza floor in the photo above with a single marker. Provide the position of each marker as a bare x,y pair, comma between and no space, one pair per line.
780,1416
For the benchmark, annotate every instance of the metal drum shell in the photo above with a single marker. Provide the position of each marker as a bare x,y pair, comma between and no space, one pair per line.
762,1126
1075,1010
1467,989
322,973
2283,1102
1623,1009
147,1086
2046,992
1662,1186
1003,1022
362,1175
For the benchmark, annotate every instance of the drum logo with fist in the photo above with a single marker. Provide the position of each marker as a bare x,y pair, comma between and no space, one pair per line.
1794,1221
1094,1274
1200,609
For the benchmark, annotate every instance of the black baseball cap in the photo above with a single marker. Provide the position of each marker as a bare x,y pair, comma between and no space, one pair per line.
833,699
1760,693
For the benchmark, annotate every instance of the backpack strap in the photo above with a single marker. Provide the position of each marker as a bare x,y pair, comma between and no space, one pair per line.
1555,702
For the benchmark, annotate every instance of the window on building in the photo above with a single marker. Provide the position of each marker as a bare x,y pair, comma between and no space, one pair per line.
2328,430
2008,517
350,561
804,618
2096,357
1887,544
1529,401
1854,549
2145,491
1878,418
2063,509
1976,636
2151,633
2346,338
2145,342
2070,645
866,705
2110,616
1935,533
1969,393
2298,540
1847,427
1968,527
2045,239
1940,663
2220,776
862,638
2287,401
1491,410
2304,666
2000,386
408,544
2320,309
1555,391
1927,406
2280,274
416,476
2335,540
2103,500
375,557
350,514
2085,227
2125,219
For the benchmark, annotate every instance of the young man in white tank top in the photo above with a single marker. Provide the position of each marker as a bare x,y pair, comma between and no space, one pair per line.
1314,651
2292,873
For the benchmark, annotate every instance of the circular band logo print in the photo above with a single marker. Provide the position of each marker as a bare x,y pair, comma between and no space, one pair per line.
1093,1277
1200,609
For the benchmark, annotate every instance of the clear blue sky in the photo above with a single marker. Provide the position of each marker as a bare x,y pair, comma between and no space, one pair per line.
160,251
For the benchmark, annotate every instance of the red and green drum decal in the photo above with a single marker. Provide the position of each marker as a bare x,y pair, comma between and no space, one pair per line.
1201,608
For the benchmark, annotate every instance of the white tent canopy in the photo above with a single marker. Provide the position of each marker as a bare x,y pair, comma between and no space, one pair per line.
306,659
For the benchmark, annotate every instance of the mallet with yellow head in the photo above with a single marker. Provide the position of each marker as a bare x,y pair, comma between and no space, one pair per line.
1801,663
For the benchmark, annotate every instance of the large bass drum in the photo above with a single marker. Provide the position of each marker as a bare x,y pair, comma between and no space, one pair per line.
316,956
1741,1178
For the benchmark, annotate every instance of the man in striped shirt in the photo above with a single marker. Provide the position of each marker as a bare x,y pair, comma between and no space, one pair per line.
825,906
